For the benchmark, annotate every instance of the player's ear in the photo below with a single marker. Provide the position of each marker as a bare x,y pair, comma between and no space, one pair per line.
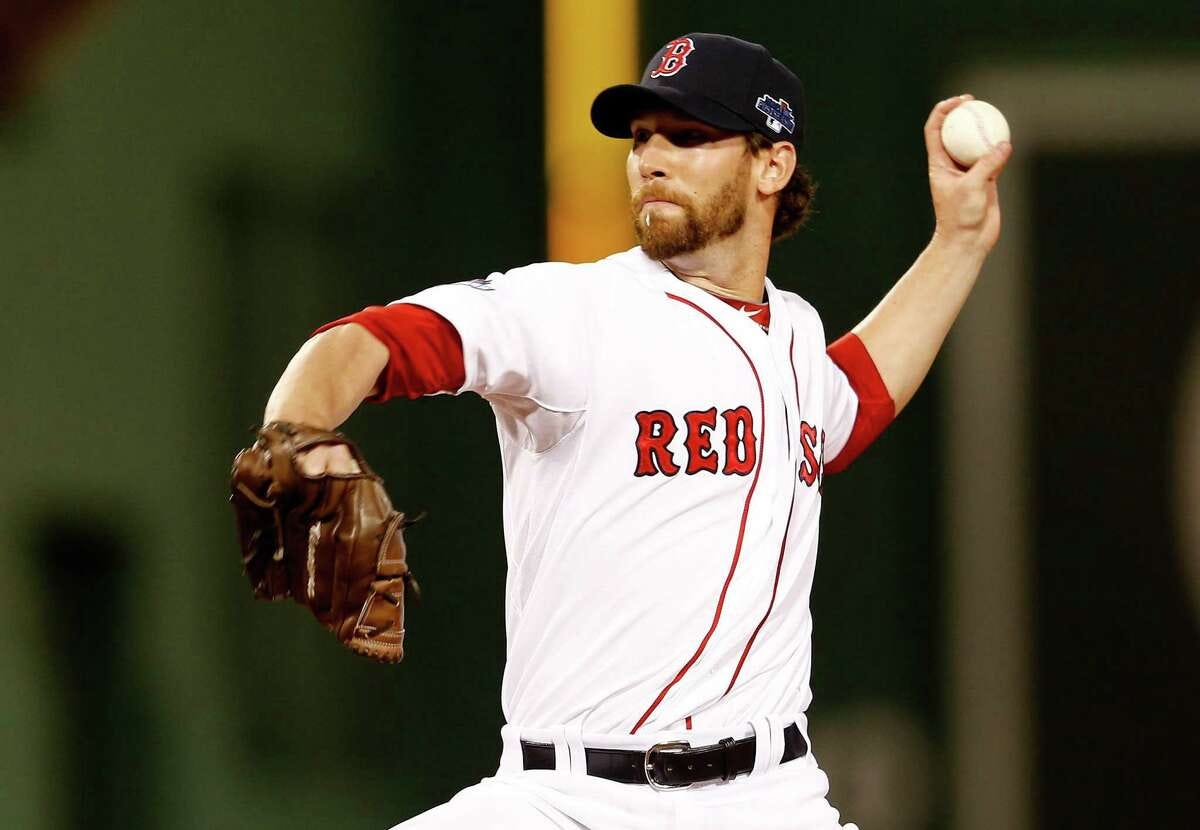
780,163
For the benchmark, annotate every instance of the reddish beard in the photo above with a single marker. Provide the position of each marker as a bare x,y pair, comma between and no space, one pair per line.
667,236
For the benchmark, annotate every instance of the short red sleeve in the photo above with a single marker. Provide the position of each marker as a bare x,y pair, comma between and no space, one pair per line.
426,353
876,409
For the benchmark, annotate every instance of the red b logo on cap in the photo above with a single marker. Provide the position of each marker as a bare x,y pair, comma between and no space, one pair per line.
675,58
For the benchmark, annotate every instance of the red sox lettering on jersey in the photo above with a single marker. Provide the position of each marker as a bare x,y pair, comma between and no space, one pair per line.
656,430
733,454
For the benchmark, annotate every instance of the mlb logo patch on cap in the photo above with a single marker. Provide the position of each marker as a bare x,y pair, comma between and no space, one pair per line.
778,113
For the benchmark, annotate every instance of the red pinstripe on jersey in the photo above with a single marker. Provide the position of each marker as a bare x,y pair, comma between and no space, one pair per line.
737,550
782,545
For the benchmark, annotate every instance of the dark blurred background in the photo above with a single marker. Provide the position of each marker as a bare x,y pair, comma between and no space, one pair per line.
1007,627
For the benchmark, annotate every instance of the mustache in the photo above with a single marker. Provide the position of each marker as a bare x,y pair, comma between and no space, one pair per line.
651,191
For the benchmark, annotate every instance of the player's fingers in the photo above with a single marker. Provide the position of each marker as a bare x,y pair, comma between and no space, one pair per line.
933,132
327,458
989,167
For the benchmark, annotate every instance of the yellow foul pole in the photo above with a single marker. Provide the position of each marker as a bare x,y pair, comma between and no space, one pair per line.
588,46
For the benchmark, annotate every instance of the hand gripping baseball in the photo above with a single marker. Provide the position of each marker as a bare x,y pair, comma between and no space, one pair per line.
965,202
331,541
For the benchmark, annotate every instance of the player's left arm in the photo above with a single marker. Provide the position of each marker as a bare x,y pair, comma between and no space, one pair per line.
905,331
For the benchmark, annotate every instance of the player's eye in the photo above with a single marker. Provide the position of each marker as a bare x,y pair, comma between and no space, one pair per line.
689,138
640,136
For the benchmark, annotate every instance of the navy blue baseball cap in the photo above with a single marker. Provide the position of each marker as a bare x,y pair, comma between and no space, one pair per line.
723,81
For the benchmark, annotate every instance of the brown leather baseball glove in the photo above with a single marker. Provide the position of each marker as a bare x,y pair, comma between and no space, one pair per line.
333,542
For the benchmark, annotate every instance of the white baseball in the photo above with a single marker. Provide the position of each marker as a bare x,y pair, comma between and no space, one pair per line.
972,130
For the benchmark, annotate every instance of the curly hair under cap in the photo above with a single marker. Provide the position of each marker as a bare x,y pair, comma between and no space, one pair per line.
795,200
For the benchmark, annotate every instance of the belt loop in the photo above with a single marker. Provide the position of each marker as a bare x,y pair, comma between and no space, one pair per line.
573,733
510,753
778,745
562,755
763,745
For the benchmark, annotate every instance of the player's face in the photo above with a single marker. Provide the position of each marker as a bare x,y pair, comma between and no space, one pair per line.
689,182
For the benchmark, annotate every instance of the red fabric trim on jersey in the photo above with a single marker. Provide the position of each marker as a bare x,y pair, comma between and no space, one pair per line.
737,551
758,312
876,409
425,350
782,546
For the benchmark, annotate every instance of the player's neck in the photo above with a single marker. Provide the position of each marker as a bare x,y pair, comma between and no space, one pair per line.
733,267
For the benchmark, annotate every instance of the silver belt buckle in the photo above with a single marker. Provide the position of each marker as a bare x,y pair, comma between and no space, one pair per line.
648,768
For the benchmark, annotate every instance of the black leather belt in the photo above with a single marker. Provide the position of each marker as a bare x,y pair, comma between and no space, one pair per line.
672,764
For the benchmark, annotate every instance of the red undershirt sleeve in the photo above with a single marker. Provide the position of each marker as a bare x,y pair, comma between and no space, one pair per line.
426,352
876,409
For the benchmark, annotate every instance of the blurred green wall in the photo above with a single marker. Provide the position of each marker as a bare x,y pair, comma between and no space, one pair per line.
114,372
192,189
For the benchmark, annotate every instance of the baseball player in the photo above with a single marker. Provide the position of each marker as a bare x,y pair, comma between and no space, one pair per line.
666,416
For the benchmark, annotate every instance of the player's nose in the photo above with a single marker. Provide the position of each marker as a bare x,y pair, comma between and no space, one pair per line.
654,157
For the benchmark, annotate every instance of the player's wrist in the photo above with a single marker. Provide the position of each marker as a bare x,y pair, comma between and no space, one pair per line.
968,245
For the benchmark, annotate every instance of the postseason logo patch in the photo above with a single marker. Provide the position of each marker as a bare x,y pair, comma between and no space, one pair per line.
479,283
778,112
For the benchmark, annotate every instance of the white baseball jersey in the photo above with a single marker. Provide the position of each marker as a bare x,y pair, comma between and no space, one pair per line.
662,461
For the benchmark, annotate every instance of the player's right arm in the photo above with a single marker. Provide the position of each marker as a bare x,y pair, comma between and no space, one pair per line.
509,337
328,378
331,374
